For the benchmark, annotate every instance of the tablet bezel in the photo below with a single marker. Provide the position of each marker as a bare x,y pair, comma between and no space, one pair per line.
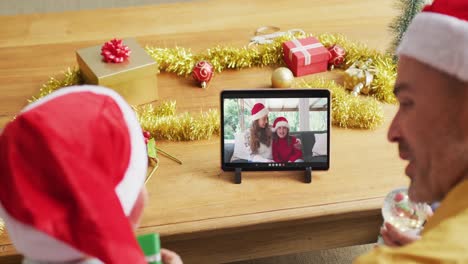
275,93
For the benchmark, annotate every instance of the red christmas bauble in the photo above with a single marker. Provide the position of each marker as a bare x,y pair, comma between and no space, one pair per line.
337,55
203,72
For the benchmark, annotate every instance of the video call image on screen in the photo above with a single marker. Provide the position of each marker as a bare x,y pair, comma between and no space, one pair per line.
275,130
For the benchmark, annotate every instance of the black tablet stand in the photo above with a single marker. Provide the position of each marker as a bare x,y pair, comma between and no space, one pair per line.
238,175
308,175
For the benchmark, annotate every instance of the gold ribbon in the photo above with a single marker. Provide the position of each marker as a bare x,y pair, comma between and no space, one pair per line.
359,76
263,35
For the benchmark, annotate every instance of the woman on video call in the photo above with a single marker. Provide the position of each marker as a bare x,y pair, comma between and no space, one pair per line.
260,135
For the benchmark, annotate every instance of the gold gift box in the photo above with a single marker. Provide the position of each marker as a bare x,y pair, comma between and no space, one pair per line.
357,80
135,79
359,76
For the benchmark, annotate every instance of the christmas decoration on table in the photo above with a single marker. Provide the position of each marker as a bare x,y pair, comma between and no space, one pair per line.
347,110
358,77
115,51
134,78
202,72
381,87
267,34
282,77
164,124
181,61
402,213
305,56
151,247
153,150
173,127
70,77
408,9
337,56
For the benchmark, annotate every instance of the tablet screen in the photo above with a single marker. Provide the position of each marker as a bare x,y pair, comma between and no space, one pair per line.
286,129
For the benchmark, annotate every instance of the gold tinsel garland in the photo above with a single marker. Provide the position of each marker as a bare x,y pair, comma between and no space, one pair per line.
70,77
181,60
163,123
348,111
384,80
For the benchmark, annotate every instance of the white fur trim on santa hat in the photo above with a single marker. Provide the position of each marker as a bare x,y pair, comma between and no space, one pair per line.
259,114
281,124
440,41
37,245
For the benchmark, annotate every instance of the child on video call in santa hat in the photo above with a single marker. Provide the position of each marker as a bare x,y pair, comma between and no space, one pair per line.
283,143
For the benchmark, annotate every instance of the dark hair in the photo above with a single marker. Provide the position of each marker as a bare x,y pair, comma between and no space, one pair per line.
259,135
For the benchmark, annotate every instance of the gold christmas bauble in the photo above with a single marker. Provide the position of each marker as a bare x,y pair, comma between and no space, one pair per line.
282,78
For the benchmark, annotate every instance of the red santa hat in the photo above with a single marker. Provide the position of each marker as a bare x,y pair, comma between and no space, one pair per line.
258,111
72,165
438,37
280,122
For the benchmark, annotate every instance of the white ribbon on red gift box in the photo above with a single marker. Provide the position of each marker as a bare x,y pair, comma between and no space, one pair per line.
303,49
261,38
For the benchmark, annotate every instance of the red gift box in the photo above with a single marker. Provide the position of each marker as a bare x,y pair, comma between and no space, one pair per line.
305,56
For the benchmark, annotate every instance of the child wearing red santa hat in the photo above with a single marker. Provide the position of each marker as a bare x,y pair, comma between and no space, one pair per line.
283,143
72,171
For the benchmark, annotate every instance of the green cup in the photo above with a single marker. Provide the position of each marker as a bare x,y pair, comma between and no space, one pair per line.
151,246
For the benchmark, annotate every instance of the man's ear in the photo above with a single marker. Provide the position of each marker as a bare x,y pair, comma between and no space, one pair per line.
138,207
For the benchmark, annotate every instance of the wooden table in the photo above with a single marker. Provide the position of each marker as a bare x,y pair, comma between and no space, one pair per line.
196,208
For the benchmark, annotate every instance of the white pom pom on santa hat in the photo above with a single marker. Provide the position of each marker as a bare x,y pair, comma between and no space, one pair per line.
72,165
280,122
438,37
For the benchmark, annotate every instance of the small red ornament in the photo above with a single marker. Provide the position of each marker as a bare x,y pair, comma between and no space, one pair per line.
202,72
115,51
147,134
337,56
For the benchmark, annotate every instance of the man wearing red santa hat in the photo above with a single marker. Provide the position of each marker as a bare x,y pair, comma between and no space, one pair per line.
72,171
431,129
